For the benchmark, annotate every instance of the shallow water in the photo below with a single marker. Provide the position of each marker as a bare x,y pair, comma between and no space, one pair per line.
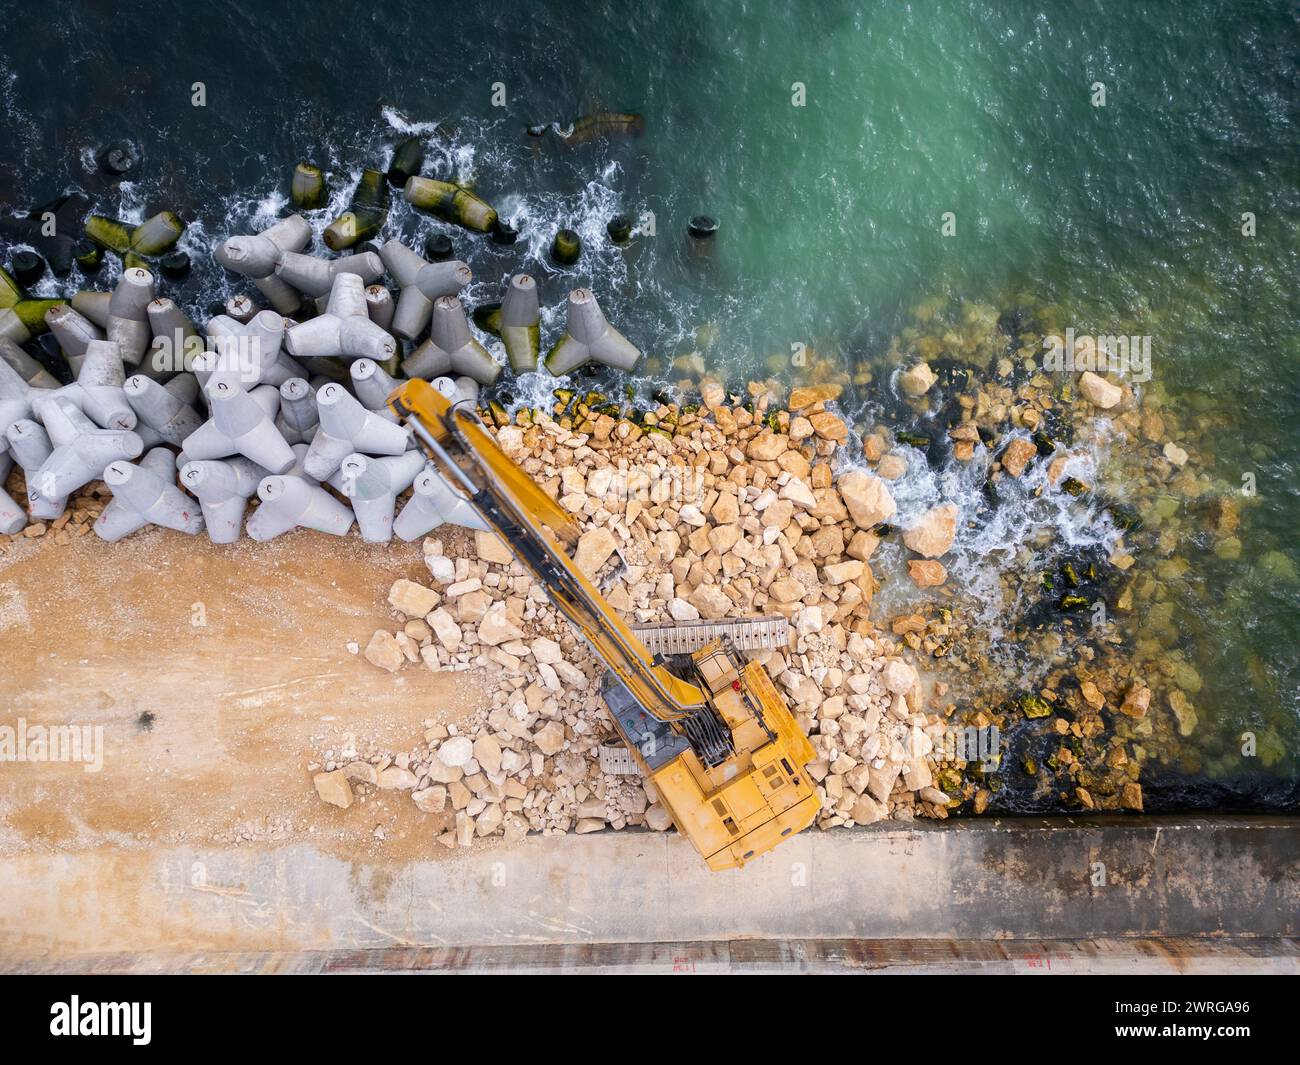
1125,217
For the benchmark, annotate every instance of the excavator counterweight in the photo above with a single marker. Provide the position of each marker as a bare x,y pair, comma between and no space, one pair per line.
708,729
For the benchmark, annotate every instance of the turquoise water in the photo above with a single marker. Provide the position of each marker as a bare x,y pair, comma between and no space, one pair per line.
1124,217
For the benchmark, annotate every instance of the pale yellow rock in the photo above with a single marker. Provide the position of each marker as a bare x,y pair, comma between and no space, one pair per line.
413,600
1098,391
594,547
926,574
916,381
710,601
726,509
397,778
767,446
334,788
658,819
829,427
1017,455
932,534
891,467
383,651
898,677
843,572
489,548
497,626
866,497
549,738
487,752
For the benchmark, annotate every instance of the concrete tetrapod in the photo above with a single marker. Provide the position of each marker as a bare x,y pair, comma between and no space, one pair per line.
128,314
223,488
248,353
344,329
176,343
456,389
27,368
346,426
81,450
164,408
242,423
256,257
433,502
590,337
298,417
381,308
73,331
101,378
520,327
315,277
29,446
146,494
419,283
291,502
372,486
451,348
373,385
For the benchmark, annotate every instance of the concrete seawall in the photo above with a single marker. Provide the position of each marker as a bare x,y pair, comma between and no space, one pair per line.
1191,889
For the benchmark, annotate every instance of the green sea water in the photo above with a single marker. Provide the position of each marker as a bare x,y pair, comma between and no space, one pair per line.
831,141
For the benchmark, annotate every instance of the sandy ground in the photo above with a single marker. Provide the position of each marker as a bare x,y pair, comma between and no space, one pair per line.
215,673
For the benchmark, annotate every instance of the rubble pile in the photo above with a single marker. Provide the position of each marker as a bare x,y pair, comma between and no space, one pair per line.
732,513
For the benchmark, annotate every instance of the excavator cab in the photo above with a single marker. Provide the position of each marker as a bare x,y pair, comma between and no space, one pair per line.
706,728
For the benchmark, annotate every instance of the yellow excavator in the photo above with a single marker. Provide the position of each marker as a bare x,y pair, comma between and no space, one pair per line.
709,729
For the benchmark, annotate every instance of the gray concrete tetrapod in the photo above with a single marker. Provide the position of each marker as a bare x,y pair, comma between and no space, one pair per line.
456,389
163,408
93,305
346,426
223,488
30,446
590,338
242,423
372,486
241,308
315,277
420,283
298,417
25,366
288,503
433,502
248,353
176,343
344,329
380,307
451,348
372,384
128,314
73,331
81,450
521,323
13,518
145,493
101,378
256,257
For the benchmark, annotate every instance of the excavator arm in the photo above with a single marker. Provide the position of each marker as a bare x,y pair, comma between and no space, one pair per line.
531,524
